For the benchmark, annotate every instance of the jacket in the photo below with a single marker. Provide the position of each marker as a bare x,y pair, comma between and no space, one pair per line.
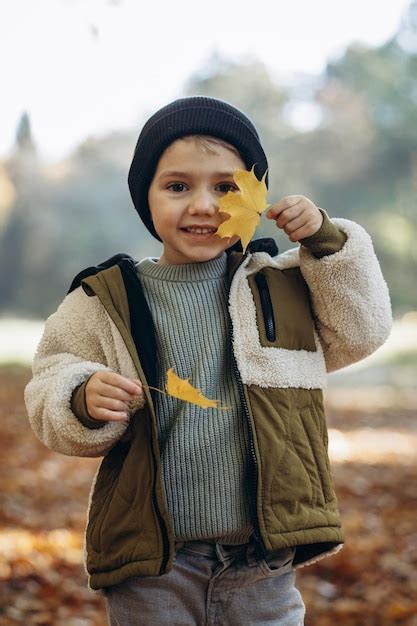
293,319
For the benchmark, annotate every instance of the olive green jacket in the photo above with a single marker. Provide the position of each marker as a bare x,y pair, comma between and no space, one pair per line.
294,317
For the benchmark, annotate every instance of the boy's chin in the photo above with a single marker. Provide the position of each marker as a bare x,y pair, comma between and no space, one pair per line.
205,255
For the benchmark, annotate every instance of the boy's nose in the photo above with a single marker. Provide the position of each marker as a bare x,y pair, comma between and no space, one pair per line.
203,202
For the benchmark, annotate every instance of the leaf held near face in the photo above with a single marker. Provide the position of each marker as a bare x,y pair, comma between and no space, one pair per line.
244,208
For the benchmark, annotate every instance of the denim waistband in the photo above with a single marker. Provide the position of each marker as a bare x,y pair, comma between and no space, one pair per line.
213,548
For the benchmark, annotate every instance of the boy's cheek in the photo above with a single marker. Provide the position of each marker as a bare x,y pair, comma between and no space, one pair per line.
230,240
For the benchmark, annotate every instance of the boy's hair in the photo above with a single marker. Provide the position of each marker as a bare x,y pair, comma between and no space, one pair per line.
196,115
207,141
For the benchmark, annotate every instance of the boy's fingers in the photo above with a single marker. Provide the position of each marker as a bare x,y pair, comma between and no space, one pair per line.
126,384
285,203
115,393
295,223
112,404
288,217
108,415
138,386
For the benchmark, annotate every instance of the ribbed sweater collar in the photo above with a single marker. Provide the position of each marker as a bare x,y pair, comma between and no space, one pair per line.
186,272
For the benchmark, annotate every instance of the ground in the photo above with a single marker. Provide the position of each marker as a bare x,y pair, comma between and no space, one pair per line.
371,582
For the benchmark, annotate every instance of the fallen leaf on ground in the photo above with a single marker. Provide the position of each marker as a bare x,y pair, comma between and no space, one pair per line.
44,499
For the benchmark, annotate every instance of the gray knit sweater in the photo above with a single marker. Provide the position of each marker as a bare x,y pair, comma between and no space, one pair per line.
204,452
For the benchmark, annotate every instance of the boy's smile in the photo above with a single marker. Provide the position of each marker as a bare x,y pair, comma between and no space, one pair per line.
183,199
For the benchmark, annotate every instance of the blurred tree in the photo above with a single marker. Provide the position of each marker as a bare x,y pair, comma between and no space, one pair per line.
24,140
23,171
383,195
7,197
247,85
358,160
65,217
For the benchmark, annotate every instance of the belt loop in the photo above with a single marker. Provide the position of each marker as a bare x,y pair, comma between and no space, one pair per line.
229,552
251,555
220,554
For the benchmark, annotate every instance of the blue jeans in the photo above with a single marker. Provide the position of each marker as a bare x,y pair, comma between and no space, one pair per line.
211,583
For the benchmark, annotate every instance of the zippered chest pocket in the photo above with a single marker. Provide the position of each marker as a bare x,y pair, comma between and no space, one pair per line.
283,309
266,306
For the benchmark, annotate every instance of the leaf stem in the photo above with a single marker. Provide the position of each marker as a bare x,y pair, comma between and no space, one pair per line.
156,389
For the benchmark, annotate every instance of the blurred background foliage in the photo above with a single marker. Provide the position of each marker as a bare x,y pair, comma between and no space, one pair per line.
358,161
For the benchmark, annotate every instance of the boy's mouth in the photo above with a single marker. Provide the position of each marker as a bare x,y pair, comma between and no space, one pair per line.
200,233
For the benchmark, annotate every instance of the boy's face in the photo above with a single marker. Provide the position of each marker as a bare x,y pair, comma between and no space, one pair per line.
184,192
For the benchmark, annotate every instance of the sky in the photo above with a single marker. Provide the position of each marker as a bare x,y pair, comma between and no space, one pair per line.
87,67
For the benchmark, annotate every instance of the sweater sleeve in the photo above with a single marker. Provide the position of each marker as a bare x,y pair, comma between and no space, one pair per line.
327,240
350,298
71,349
79,407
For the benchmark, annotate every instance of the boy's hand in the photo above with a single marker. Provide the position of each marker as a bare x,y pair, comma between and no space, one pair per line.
108,394
297,216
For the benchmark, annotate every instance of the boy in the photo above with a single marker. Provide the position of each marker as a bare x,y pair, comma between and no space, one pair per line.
202,516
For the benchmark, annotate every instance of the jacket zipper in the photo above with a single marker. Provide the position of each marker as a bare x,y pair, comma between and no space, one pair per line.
267,310
254,474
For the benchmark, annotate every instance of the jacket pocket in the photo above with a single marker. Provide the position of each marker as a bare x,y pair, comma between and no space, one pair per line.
316,435
266,305
283,309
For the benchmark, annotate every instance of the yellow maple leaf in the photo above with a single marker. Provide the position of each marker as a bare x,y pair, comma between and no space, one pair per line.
245,208
183,390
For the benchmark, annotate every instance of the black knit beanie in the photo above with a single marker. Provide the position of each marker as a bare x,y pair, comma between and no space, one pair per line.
190,116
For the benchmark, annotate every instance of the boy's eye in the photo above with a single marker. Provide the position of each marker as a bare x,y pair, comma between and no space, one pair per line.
225,187
176,187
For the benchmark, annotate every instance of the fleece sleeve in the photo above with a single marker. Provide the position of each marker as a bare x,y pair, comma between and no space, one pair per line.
350,298
76,343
